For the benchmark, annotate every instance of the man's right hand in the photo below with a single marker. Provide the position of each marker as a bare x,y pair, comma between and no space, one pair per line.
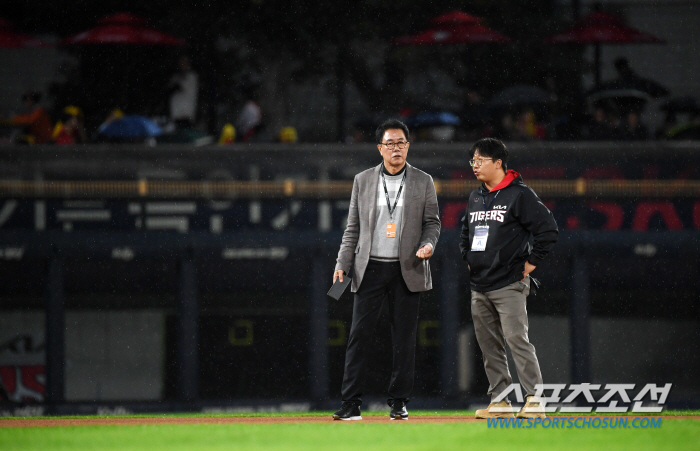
338,275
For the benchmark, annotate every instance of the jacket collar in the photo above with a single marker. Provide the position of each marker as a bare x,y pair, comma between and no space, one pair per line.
510,177
382,168
379,167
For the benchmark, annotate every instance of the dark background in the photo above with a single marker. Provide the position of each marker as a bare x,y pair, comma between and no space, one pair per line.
233,45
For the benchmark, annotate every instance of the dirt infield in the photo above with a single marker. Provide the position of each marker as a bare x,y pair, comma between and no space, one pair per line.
62,422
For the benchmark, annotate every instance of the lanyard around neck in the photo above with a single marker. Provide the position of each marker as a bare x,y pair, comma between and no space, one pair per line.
398,194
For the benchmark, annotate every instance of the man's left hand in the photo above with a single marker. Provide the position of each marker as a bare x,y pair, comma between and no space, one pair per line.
529,267
425,251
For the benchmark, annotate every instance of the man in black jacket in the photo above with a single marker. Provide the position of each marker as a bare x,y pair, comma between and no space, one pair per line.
501,216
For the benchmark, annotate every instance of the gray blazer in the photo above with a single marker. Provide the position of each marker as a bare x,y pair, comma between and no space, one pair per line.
420,225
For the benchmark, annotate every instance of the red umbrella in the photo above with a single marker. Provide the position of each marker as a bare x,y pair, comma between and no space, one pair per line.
453,28
459,34
602,28
10,39
455,17
123,29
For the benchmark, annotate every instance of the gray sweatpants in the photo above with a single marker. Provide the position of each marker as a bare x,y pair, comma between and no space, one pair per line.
500,316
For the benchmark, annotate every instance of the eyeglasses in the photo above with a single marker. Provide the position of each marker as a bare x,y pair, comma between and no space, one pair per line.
400,144
479,162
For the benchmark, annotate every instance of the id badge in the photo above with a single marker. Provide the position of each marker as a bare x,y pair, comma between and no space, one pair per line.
391,230
481,235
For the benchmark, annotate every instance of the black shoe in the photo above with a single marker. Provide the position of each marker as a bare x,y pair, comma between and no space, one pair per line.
398,409
348,411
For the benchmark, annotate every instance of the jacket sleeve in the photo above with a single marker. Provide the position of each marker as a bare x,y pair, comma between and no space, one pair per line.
431,217
538,220
346,254
464,236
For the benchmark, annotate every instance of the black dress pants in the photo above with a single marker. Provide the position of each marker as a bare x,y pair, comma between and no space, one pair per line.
382,281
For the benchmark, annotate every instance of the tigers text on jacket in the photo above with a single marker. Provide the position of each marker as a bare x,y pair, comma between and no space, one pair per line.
513,214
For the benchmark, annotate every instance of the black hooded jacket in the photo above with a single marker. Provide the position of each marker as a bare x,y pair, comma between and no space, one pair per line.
513,213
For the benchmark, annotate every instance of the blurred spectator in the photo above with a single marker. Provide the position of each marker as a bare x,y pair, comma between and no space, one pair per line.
228,134
442,133
250,120
407,111
358,135
627,78
114,115
613,117
689,129
36,122
288,135
682,119
505,128
670,122
599,128
550,113
183,88
70,129
631,129
527,128
436,126
362,130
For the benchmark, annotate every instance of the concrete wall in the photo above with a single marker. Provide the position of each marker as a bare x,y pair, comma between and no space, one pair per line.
632,351
110,355
646,351
120,355
22,338
115,355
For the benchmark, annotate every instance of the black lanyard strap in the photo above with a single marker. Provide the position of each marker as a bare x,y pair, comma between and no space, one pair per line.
398,194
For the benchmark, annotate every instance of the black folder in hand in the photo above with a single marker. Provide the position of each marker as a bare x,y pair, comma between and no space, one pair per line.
339,287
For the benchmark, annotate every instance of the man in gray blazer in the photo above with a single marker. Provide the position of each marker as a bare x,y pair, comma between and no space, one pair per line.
393,228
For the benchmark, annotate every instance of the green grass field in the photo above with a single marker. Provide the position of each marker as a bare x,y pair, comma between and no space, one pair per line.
676,434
